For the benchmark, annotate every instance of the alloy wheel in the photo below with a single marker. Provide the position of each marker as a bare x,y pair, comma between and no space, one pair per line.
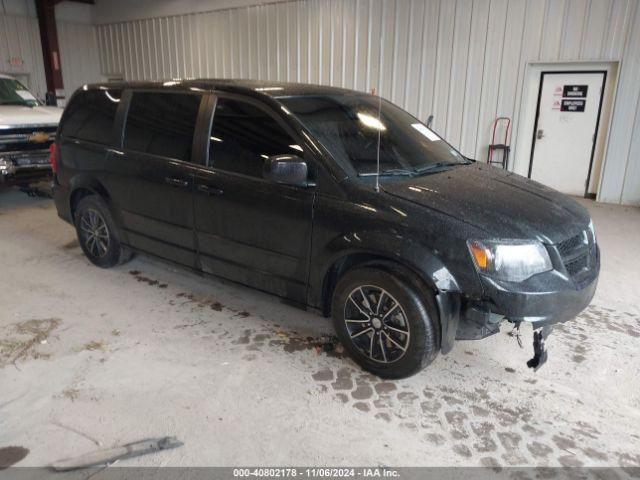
94,233
376,324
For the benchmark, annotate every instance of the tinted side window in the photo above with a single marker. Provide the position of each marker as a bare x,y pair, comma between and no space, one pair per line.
243,136
90,116
162,123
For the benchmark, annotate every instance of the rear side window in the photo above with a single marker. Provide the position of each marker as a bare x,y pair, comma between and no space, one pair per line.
243,136
90,115
162,124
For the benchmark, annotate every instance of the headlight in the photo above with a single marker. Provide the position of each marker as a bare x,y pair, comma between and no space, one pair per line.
593,231
510,260
7,166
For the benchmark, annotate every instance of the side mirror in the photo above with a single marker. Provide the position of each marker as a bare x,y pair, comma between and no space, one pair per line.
287,169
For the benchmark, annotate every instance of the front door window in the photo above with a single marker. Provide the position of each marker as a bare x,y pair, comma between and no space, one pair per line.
243,136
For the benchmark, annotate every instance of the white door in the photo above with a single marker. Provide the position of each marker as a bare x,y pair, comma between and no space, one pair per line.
566,129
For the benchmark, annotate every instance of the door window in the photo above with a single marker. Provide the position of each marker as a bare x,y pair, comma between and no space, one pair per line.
90,115
243,136
162,124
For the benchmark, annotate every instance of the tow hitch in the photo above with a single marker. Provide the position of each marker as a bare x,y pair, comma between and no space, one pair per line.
539,350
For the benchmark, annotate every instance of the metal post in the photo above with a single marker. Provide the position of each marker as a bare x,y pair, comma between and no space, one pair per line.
50,49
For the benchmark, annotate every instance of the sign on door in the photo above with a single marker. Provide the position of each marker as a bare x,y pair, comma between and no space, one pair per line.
566,129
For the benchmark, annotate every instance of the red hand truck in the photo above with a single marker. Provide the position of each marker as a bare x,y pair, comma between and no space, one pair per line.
503,147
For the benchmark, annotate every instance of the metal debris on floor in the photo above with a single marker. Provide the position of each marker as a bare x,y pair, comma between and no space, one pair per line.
110,455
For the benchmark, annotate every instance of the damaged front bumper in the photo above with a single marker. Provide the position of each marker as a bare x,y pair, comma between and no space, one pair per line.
543,300
539,308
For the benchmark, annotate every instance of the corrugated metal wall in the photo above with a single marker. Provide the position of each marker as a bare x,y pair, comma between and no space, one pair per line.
20,37
461,60
78,55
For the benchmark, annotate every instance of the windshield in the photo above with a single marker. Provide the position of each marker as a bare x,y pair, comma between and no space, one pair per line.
12,92
348,127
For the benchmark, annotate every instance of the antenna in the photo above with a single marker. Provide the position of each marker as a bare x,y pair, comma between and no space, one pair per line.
377,185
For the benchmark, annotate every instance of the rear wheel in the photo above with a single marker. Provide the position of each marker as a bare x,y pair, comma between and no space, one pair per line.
387,325
97,233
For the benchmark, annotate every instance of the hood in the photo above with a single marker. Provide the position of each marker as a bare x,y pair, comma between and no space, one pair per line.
16,116
503,204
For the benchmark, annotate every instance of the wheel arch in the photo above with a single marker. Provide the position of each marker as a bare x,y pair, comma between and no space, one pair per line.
81,187
368,259
425,272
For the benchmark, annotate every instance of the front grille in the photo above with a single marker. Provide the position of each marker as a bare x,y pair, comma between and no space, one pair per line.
27,130
568,246
578,255
578,265
26,138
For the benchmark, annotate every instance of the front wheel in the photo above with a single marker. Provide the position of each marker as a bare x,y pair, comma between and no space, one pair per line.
386,324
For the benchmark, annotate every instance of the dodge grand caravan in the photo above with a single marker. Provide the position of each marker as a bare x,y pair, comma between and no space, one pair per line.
333,199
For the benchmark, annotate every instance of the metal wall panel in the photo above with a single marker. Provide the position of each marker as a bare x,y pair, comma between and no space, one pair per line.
461,60
79,65
621,174
20,37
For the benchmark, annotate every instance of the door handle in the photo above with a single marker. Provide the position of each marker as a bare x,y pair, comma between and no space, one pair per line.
539,134
210,190
176,182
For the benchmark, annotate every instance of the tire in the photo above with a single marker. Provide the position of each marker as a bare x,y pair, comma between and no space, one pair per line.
97,233
414,313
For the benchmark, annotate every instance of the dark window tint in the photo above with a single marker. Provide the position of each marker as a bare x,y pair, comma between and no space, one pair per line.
243,136
349,127
162,124
90,115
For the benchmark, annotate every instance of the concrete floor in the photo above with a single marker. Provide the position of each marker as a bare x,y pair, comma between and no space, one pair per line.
103,357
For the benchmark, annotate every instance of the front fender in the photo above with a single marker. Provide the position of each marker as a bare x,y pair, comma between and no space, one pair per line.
367,245
418,258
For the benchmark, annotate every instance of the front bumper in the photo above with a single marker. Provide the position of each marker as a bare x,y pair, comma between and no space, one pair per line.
24,167
557,300
551,297
545,299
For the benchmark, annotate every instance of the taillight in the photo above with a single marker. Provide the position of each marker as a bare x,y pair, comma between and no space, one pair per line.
52,157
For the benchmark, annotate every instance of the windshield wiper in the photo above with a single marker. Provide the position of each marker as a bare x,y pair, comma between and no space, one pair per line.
438,166
392,172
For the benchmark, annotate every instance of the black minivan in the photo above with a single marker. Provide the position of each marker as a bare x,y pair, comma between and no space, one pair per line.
336,200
